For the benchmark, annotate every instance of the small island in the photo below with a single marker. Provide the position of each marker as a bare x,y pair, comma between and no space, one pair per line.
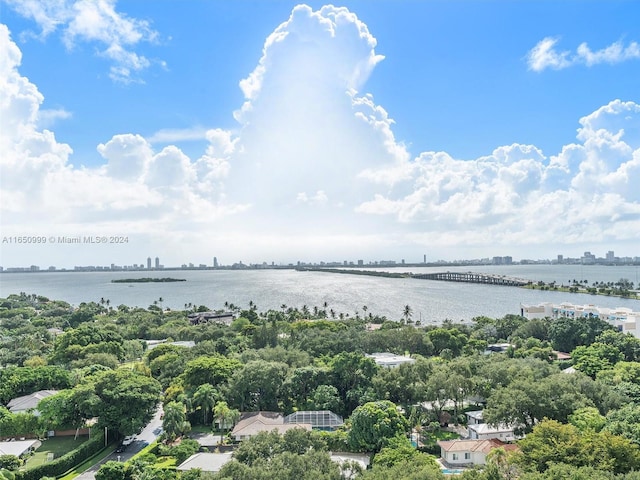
148,280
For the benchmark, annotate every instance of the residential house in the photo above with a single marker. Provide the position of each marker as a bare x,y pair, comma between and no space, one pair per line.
28,403
199,318
484,431
390,360
459,453
475,417
205,462
19,447
252,423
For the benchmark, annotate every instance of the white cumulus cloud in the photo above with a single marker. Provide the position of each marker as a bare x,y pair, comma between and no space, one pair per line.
314,163
93,21
545,55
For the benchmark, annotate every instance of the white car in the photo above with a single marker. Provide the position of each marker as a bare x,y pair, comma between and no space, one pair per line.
128,440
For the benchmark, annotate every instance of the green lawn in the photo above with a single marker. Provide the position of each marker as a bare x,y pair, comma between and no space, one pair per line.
56,445
429,438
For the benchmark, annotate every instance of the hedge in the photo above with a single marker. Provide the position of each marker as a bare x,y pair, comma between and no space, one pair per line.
64,463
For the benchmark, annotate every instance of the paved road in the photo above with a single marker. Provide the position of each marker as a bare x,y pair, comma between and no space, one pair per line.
144,438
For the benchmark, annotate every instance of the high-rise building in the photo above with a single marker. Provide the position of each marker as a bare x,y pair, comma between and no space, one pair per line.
157,262
611,256
215,262
148,263
560,259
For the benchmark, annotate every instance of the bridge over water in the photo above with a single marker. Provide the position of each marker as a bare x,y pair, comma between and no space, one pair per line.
474,277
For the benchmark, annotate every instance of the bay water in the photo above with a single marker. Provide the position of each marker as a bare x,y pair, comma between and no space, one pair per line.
431,301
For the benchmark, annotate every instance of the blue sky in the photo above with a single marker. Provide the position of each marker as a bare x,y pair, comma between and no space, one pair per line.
374,130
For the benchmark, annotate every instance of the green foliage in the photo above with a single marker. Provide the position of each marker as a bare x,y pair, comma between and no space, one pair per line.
111,471
214,370
375,423
10,462
625,422
587,419
552,442
182,451
20,424
127,399
351,373
265,445
174,422
421,467
396,450
568,333
257,386
76,344
312,465
595,358
18,381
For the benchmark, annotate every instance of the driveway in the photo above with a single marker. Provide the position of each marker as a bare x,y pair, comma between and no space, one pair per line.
144,438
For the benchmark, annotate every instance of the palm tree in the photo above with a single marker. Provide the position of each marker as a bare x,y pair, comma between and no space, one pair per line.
407,313
174,422
205,398
225,415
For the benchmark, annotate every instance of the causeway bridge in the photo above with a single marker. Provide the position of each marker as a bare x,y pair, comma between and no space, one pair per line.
474,277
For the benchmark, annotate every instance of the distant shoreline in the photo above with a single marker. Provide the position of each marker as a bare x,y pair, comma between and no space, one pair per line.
148,280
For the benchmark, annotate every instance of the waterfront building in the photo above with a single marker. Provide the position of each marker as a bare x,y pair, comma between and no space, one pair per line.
623,318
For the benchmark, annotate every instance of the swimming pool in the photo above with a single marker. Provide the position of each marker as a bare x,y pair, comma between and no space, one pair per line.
452,471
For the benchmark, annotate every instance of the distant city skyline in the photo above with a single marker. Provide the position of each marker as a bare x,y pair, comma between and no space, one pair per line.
277,131
587,258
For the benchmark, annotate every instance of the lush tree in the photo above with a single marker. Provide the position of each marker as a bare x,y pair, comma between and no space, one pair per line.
18,381
112,470
418,468
300,384
351,374
127,399
625,422
214,370
10,462
552,442
587,419
69,408
447,339
258,385
595,357
396,450
326,397
374,423
225,416
205,397
174,421
568,333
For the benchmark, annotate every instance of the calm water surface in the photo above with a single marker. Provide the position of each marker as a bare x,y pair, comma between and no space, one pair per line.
430,301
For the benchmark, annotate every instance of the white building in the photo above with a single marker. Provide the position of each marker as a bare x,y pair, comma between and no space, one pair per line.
624,319
390,360
484,431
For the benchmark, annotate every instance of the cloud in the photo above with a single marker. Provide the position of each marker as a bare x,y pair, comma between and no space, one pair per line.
93,21
314,165
170,135
544,55
137,185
